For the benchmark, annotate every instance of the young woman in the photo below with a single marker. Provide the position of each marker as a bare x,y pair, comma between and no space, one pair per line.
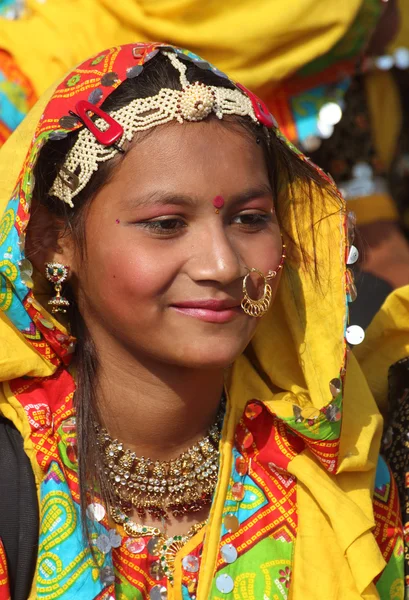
182,419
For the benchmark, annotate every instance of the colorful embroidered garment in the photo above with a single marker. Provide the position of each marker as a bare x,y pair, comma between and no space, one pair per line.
294,503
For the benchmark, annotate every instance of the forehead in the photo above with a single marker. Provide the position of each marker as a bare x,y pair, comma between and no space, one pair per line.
214,156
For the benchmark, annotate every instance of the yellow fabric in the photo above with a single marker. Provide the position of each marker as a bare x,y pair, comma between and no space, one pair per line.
255,42
376,207
298,348
386,113
387,341
383,98
402,39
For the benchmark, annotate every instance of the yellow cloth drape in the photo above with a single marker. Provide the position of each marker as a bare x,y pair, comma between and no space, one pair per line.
385,112
254,42
386,342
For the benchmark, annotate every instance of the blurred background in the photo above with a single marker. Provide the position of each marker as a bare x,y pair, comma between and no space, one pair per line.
335,76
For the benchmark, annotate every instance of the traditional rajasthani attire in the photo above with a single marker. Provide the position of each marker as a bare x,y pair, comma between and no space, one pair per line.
302,509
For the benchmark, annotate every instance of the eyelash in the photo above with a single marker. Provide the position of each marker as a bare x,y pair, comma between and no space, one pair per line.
259,221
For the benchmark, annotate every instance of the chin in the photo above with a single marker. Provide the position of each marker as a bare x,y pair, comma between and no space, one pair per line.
209,356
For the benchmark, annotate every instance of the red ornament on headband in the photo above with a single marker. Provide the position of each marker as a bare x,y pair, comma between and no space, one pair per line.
261,111
108,137
218,203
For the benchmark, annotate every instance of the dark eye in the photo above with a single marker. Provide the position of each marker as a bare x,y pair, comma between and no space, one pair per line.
164,225
252,219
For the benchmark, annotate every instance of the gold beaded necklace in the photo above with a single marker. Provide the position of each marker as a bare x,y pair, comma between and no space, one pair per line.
184,484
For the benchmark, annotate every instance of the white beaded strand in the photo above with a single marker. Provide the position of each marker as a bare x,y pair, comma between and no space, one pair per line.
193,103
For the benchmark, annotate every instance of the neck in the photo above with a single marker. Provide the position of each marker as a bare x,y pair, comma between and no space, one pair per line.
156,410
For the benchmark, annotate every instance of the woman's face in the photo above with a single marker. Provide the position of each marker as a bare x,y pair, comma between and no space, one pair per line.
164,271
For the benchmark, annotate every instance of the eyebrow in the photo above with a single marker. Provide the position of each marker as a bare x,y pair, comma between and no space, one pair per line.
159,198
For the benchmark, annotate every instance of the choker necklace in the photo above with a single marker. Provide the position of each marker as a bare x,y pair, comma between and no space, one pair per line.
184,484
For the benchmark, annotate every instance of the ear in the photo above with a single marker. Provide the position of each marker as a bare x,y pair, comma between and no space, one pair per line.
48,239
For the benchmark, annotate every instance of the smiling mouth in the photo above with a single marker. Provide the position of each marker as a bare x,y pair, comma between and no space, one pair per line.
210,311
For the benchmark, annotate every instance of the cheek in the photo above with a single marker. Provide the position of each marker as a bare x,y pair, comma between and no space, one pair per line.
262,252
124,275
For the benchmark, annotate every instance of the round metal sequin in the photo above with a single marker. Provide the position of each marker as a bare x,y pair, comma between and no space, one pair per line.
109,79
95,512
332,413
238,491
68,122
253,409
310,412
354,335
95,96
151,54
225,584
153,546
134,71
190,563
353,255
229,553
241,465
69,425
26,266
47,323
60,337
103,543
335,387
135,545
231,523
156,571
107,576
158,592
57,135
246,439
26,279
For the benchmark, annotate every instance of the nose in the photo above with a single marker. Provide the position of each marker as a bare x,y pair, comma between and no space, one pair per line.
214,258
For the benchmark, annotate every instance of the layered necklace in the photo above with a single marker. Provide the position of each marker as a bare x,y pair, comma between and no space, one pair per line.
184,484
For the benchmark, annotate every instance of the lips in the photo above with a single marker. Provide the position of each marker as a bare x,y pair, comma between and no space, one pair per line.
209,304
210,310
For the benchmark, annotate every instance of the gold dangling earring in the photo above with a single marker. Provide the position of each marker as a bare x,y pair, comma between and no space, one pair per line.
258,308
57,273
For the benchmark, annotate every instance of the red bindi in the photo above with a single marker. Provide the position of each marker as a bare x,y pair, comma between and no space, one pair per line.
218,203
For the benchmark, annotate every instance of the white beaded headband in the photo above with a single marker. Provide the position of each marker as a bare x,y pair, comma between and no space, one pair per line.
194,102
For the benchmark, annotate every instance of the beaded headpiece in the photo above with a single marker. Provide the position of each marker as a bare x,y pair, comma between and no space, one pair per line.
103,138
